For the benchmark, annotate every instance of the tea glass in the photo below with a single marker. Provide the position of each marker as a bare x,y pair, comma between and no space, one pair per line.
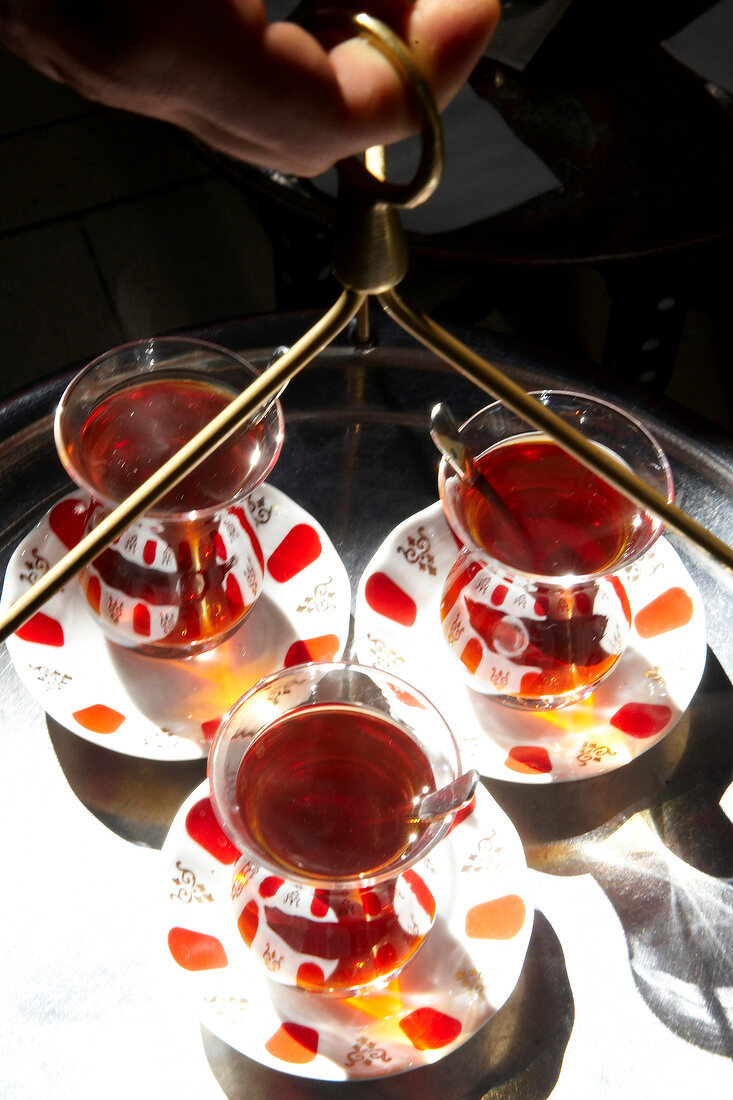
533,608
313,776
181,579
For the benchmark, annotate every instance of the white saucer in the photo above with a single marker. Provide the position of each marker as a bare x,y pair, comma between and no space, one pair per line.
169,709
397,627
460,977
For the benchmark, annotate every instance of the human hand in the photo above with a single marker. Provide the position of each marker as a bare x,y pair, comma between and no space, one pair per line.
268,93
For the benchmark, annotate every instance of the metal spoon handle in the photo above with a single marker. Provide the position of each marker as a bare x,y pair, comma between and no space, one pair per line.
444,432
447,799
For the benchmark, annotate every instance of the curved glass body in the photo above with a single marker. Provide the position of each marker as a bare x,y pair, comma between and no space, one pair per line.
534,607
314,776
182,578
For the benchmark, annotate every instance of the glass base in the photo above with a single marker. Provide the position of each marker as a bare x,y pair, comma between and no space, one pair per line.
160,649
543,702
539,703
376,985
529,644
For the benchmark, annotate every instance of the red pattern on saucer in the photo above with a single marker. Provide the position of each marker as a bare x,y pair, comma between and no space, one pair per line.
300,547
64,662
638,704
204,829
497,919
323,648
388,599
196,950
641,719
460,977
42,629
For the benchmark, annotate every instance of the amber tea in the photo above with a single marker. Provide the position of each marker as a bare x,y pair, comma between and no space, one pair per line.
533,607
326,790
571,521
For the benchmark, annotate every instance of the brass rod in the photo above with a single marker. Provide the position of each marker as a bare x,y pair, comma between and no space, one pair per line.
363,324
494,382
257,395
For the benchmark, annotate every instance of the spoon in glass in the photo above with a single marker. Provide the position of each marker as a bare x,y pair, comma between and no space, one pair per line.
445,434
437,804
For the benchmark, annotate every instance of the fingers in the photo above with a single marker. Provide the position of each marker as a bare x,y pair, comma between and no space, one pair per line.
274,95
446,39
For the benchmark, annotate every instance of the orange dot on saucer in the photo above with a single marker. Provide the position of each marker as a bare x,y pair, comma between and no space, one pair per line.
429,1029
209,728
641,719
195,950
498,919
323,648
293,1043
528,759
669,611
99,718
203,828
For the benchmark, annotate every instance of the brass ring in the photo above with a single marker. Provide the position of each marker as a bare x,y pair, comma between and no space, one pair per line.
430,166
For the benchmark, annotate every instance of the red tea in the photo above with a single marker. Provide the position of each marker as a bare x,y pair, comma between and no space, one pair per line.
321,791
326,791
168,581
130,434
537,640
570,522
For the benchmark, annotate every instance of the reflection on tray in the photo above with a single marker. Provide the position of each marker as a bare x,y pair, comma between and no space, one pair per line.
121,699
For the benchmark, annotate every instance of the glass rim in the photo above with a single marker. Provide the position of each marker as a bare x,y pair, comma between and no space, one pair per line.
568,578
154,511
550,391
317,881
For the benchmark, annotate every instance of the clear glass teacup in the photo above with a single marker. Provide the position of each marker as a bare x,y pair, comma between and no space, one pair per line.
314,775
533,608
182,578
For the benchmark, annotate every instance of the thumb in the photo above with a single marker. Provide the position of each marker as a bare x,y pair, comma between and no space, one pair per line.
446,39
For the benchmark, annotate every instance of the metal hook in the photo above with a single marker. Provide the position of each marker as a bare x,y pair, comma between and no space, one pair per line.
390,45
369,250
